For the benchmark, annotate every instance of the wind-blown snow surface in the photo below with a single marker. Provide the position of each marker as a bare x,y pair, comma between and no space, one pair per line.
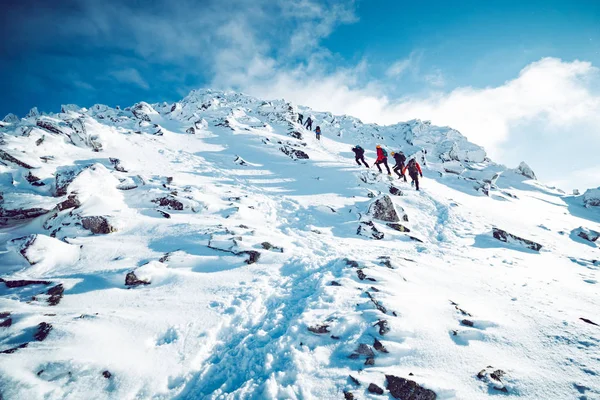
186,194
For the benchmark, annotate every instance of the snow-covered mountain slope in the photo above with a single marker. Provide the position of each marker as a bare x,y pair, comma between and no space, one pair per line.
213,248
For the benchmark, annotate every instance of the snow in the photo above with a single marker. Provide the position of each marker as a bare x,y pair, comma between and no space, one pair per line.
190,210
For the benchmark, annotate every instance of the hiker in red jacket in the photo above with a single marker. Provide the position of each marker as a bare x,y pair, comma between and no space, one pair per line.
382,159
414,170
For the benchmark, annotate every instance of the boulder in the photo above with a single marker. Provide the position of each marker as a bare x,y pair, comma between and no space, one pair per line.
398,227
506,237
493,377
405,389
383,209
294,153
383,326
525,170
131,279
169,202
373,388
116,163
296,135
64,177
395,191
379,346
591,197
97,224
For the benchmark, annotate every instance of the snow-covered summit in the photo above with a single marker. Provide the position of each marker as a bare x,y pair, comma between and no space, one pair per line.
213,248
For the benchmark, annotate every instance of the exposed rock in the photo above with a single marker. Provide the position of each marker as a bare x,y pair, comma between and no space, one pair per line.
373,388
56,294
33,113
22,283
377,304
269,246
361,275
525,170
365,350
191,130
587,234
7,157
169,202
416,239
296,135
9,217
504,236
97,224
591,198
253,256
43,329
132,280
354,380
63,179
70,202
4,314
383,209
335,283
383,326
379,346
370,361
398,227
164,214
587,321
294,153
40,140
368,229
348,395
142,111
34,180
351,263
117,164
49,126
493,377
395,191
240,161
405,389
467,322
6,323
106,374
10,351
319,329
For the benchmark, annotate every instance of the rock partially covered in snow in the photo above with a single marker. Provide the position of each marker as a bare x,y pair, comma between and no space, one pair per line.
405,389
44,250
383,209
33,113
97,225
143,111
65,108
587,234
525,170
146,274
493,377
11,118
506,237
591,197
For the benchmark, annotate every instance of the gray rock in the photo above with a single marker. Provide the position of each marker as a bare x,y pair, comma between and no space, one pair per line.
373,388
504,236
368,229
13,217
132,280
587,234
383,209
405,389
169,202
97,224
70,202
493,377
294,153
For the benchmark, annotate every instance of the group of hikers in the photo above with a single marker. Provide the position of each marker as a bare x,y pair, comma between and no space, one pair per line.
308,125
413,167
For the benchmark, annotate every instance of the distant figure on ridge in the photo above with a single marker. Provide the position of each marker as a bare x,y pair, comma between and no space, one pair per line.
400,159
382,159
300,118
359,153
414,170
309,122
318,132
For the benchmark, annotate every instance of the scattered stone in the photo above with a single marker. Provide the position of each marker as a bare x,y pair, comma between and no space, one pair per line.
348,395
398,227
98,225
588,321
383,209
169,202
354,380
334,283
22,283
132,280
319,329
466,322
373,388
10,351
269,246
43,329
395,191
164,214
294,153
106,374
7,157
504,236
56,294
405,389
70,202
378,305
368,229
493,378
383,326
379,346
463,312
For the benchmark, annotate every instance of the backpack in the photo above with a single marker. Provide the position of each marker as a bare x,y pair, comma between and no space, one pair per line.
384,152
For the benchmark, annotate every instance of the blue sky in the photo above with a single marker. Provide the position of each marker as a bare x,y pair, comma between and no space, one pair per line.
519,77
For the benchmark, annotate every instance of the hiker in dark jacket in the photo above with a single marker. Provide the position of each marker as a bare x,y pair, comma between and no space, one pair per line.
318,132
414,170
400,159
300,118
382,159
309,122
359,153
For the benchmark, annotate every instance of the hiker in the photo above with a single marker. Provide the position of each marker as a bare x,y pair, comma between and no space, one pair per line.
318,132
300,118
309,122
382,159
400,159
359,154
414,170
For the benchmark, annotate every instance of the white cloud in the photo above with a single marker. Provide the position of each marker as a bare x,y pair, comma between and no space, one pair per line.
130,75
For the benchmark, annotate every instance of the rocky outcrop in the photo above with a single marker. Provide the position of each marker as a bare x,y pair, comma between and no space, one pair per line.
33,113
11,118
131,279
7,157
56,294
170,203
493,377
116,163
294,153
43,330
22,282
373,388
368,229
319,329
591,198
506,237
395,191
33,180
525,170
64,177
142,111
70,202
405,389
97,225
49,126
11,217
383,209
